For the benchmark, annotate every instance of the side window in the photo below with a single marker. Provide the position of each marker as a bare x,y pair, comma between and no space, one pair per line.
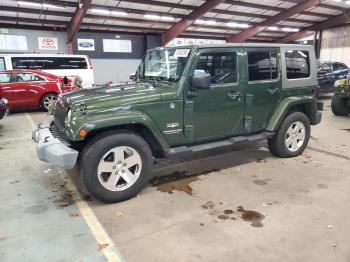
2,64
262,65
27,63
28,77
325,68
66,63
5,78
336,67
298,64
222,67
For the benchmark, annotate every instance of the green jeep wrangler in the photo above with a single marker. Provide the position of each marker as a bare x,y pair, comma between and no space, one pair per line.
183,100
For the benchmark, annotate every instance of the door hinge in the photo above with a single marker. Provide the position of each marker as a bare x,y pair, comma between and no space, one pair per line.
189,131
248,123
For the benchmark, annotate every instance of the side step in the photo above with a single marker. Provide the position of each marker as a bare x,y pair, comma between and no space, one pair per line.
225,143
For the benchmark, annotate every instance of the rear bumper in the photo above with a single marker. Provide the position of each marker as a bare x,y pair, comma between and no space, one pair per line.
50,149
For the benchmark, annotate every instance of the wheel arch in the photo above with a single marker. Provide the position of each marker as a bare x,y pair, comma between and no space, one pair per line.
142,130
305,104
133,121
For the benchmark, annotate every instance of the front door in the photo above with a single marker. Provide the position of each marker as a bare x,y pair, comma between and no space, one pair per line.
26,89
325,78
263,86
217,112
6,88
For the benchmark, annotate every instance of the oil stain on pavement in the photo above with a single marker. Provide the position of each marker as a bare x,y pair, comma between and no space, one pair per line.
177,181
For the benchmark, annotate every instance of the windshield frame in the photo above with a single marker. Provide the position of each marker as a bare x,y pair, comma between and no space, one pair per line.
140,73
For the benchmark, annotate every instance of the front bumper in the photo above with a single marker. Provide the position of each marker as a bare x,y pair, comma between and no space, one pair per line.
51,149
4,109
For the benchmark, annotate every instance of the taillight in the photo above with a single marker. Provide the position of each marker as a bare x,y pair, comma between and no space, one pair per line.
90,64
59,86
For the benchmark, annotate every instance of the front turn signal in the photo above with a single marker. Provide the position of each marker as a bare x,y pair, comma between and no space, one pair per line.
82,132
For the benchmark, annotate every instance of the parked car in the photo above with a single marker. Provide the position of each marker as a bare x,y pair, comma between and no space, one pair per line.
328,73
68,66
217,96
29,89
4,108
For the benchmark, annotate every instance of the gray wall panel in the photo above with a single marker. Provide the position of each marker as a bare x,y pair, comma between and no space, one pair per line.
32,40
116,70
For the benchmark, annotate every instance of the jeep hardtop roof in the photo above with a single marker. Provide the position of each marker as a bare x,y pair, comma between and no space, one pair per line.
294,46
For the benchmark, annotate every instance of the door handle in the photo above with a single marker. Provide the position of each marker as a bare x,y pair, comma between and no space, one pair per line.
272,91
234,95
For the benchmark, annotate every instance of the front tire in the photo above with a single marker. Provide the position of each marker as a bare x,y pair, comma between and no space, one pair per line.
338,106
116,167
292,137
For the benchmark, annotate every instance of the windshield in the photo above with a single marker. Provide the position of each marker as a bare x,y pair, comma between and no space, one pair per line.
165,64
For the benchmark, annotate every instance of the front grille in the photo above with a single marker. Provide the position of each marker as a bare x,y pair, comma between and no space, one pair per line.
58,135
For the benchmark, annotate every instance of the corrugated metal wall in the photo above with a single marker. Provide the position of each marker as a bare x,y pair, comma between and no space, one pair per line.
336,45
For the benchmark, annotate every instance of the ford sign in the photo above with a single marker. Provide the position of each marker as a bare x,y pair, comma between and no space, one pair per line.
86,44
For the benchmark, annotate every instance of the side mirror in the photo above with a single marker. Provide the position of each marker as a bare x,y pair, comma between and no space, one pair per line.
201,81
132,76
322,73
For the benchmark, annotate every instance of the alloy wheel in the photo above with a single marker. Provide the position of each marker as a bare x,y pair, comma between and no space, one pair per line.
295,136
119,168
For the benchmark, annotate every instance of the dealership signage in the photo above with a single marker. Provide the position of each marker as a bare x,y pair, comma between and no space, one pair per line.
48,43
86,44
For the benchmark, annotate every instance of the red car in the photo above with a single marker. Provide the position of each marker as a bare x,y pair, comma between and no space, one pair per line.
24,89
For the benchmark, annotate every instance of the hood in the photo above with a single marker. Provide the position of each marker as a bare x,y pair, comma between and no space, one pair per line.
111,96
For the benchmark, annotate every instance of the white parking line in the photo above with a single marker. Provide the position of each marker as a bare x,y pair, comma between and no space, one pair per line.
110,251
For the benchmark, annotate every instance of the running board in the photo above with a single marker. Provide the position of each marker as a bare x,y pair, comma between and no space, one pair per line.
225,143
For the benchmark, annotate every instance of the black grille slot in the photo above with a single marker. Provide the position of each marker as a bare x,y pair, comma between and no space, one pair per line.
58,135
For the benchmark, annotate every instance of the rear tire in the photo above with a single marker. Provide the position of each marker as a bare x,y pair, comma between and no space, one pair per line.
292,137
46,101
116,167
338,106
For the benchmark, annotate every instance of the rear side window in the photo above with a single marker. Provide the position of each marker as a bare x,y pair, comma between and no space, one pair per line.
297,64
47,63
2,64
262,65
221,66
28,77
5,78
339,67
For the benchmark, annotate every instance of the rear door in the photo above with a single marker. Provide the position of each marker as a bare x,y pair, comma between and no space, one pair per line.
263,86
340,71
216,112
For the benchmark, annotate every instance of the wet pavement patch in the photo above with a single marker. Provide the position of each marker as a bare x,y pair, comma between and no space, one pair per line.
261,182
37,209
253,217
223,217
177,181
208,205
322,186
228,212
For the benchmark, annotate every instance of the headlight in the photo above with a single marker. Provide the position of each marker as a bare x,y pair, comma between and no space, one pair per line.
4,100
69,116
